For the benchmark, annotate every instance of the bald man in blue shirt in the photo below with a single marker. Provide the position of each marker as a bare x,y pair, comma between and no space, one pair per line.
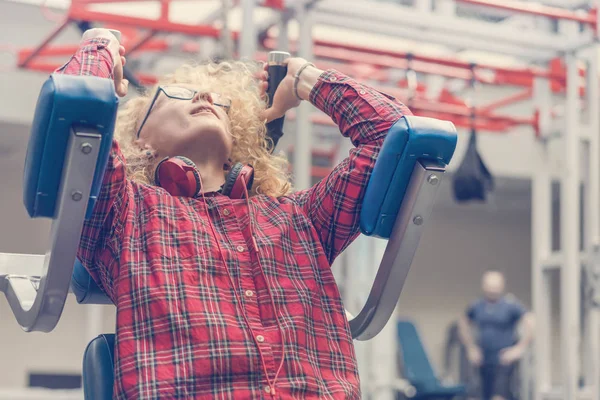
497,348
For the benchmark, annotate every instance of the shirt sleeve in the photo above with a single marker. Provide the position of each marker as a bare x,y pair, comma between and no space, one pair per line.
471,311
363,115
517,310
99,245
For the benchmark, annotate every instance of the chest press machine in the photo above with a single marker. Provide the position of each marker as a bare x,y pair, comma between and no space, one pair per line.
67,153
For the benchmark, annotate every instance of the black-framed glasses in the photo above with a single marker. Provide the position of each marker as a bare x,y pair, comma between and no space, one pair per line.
183,93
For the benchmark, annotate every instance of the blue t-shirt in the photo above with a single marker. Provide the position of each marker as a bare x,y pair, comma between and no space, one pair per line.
496,324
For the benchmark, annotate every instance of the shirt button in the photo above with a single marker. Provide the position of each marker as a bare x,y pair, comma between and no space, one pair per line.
333,79
91,57
249,293
362,92
240,248
260,338
226,212
268,389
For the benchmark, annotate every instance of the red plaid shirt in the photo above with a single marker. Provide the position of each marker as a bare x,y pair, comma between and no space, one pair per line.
181,332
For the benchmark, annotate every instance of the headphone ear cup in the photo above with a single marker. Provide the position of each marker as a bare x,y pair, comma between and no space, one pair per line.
178,176
230,179
234,183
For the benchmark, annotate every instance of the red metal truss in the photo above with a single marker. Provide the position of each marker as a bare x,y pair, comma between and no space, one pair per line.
363,63
447,106
277,4
461,117
80,10
441,66
323,49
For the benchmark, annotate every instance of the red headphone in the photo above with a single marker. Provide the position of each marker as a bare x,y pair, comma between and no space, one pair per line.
180,177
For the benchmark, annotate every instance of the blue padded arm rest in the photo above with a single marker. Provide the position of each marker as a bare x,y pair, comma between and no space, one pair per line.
408,140
65,102
85,288
98,368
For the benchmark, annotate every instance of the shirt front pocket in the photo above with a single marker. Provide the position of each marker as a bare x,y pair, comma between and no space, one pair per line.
174,235
177,250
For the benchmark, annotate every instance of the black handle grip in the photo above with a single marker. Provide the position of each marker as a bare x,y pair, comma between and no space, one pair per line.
277,72
276,75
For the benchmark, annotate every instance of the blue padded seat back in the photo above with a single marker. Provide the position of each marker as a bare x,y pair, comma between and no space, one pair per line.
65,102
98,368
85,288
408,140
415,362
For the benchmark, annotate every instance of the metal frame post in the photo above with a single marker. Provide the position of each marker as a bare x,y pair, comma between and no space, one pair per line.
541,239
283,38
570,272
94,319
592,217
249,34
591,339
302,152
384,358
226,36
568,259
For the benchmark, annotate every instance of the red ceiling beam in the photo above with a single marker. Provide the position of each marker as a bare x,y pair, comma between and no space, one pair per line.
448,68
448,62
452,108
78,13
68,50
50,67
44,44
277,4
327,50
506,101
460,116
355,57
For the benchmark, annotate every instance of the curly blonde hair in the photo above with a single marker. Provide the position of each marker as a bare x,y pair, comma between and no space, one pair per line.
233,79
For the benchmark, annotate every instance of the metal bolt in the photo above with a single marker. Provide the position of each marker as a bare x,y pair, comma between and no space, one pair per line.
418,220
86,148
76,195
433,179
